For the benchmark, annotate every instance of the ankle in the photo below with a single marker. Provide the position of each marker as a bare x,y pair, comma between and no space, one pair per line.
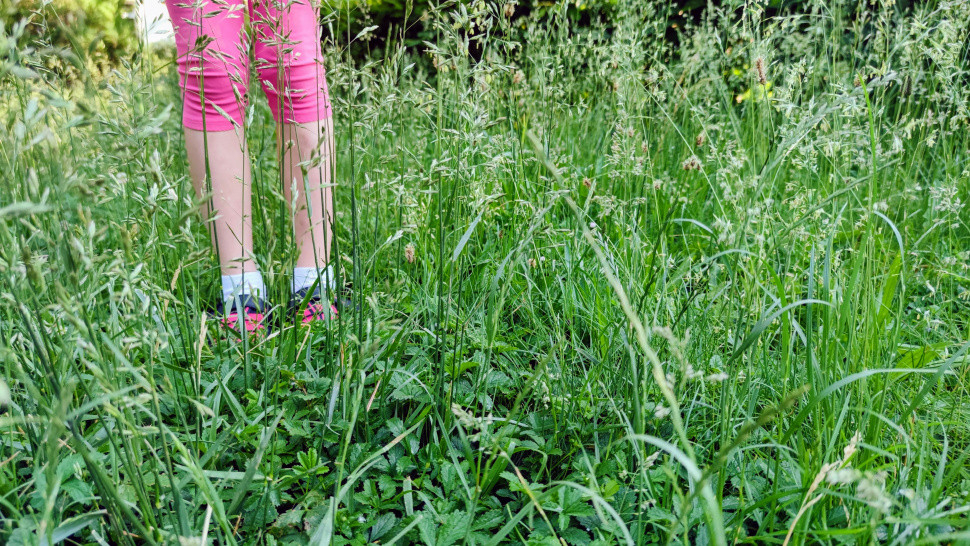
305,277
247,283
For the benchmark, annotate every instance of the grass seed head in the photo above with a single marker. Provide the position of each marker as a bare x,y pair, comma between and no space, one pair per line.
509,9
692,163
759,67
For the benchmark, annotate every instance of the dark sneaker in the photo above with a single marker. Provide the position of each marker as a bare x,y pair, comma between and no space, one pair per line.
316,309
251,311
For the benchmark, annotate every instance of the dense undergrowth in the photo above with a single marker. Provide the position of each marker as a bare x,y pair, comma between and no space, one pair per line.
603,292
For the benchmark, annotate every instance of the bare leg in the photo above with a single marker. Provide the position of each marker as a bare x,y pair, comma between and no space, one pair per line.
309,149
230,184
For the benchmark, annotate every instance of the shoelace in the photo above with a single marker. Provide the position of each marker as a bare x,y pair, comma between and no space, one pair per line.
317,310
253,321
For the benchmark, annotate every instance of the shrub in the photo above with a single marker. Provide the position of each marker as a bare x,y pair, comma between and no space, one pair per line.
102,28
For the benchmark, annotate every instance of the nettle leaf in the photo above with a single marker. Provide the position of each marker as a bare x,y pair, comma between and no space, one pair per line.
23,535
449,477
542,538
393,455
497,380
453,528
574,502
404,465
427,527
368,493
657,513
395,426
78,491
609,489
388,485
68,465
260,510
528,445
492,519
296,429
356,540
318,386
410,391
431,487
413,442
382,525
291,518
537,438
382,465
331,434
358,452
573,535
484,400
463,388
516,486
316,513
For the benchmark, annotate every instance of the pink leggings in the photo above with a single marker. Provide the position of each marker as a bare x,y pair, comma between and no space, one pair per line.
213,60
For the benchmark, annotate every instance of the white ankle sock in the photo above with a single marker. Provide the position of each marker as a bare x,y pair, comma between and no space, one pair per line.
250,282
304,277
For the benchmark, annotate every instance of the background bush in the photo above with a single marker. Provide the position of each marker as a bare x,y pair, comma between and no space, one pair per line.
103,28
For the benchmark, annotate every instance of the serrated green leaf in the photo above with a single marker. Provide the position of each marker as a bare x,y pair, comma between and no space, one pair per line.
454,528
291,518
382,525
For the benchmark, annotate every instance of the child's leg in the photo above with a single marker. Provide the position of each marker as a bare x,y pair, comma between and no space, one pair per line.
230,181
309,148
213,70
291,71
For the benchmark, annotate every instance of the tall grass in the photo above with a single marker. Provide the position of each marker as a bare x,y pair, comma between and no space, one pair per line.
607,287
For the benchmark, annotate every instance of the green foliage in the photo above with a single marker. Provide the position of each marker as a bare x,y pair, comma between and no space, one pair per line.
603,292
99,28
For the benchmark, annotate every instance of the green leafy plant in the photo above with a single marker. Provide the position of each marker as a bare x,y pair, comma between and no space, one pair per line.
595,298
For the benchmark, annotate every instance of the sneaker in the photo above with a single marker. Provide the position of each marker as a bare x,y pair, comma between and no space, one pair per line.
316,309
252,311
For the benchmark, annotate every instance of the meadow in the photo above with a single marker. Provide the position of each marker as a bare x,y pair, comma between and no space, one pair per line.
619,282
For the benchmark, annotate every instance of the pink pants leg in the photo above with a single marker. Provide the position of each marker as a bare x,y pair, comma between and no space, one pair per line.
213,60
